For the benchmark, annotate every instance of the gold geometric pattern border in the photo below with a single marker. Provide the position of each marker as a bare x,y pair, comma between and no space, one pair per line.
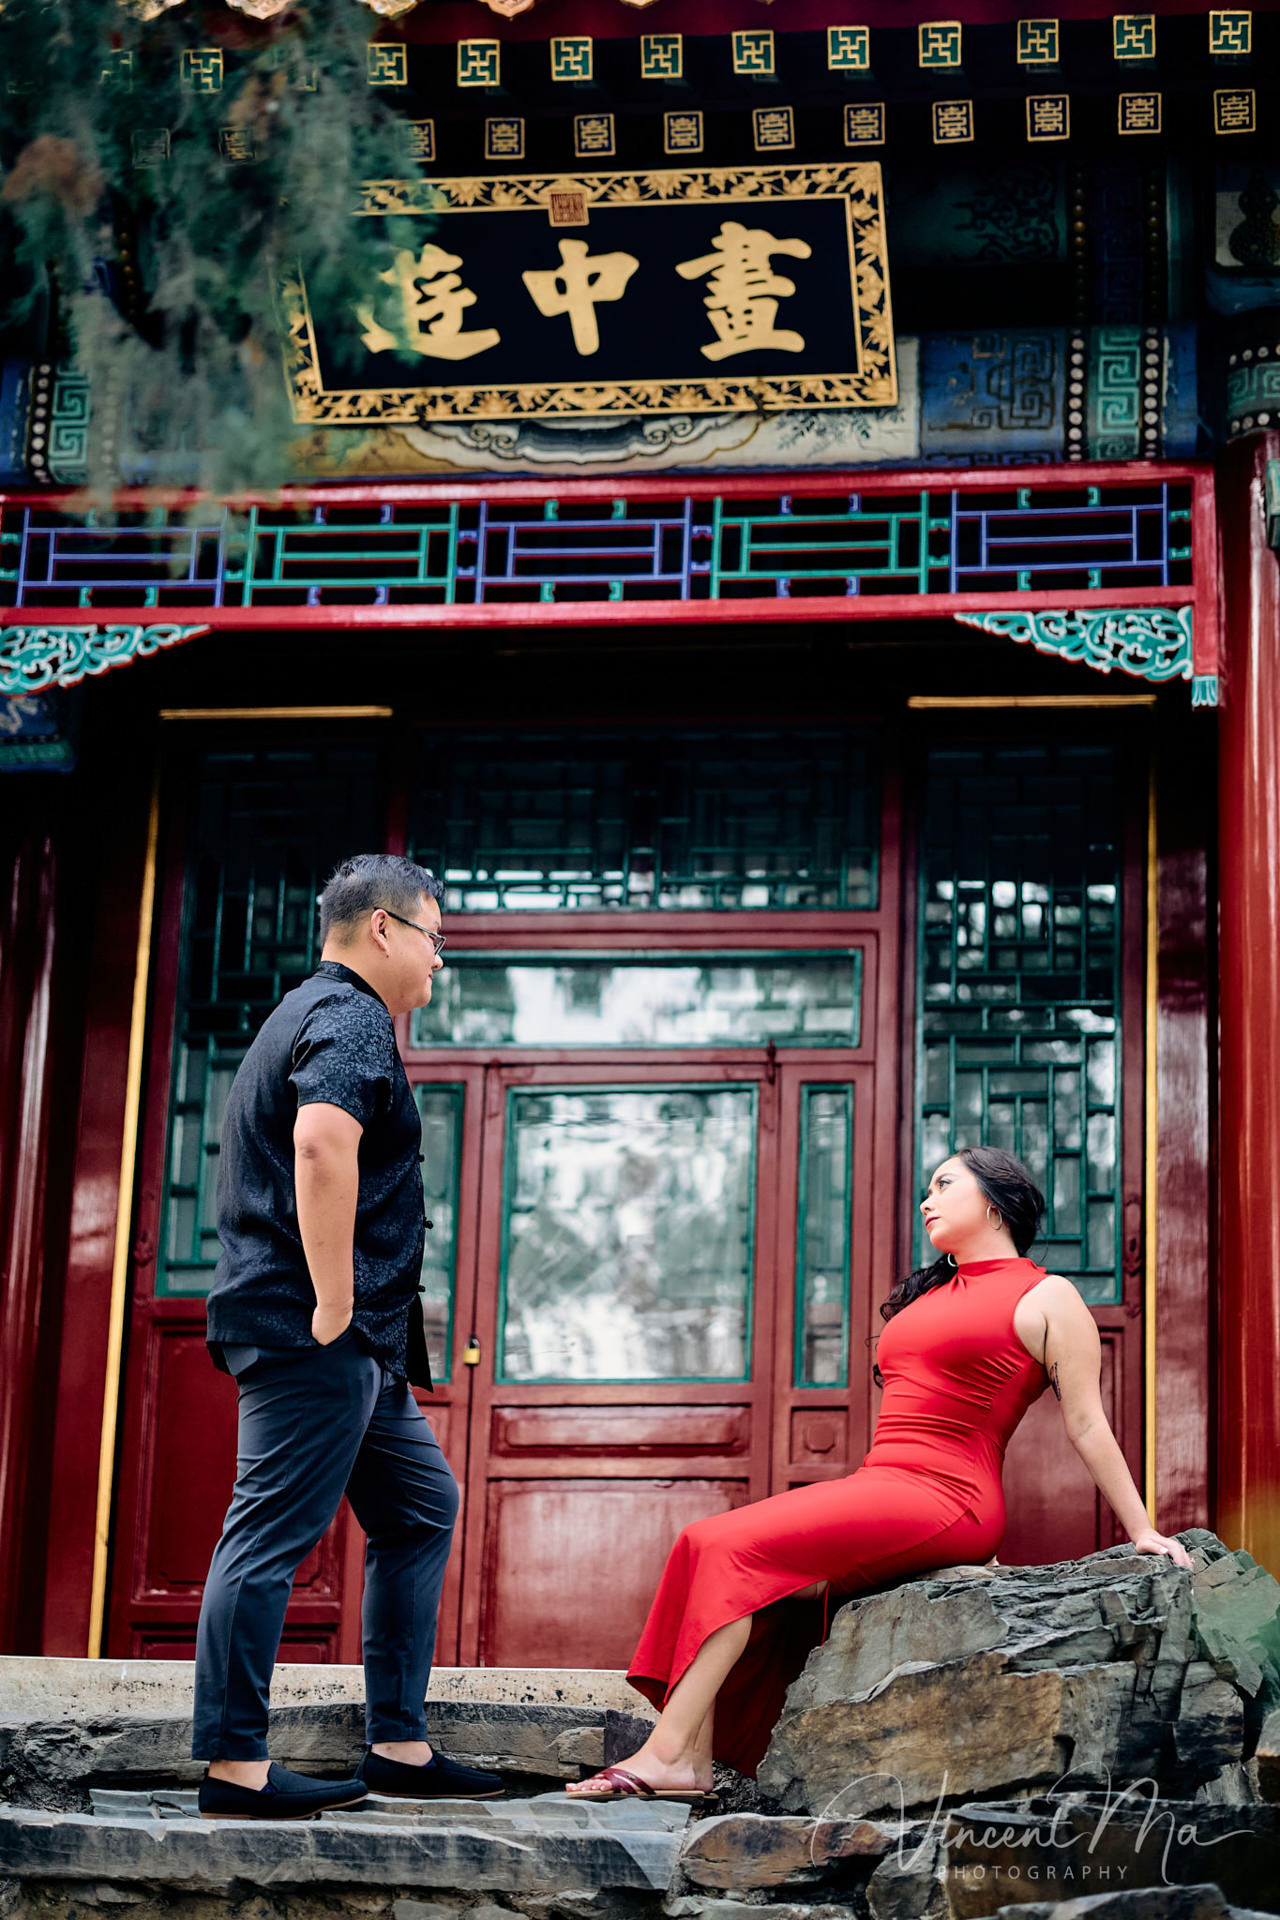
874,383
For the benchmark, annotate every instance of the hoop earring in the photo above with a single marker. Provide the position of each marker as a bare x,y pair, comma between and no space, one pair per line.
951,1257
999,1218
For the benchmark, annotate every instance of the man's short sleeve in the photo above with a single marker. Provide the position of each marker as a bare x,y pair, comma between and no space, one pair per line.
339,1056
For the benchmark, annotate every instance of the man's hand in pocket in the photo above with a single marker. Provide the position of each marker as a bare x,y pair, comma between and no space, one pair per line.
327,1326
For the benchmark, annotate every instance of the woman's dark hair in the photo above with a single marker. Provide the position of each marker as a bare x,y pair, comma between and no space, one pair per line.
1010,1189
370,880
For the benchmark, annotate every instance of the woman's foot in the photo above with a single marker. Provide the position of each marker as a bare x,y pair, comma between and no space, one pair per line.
689,1772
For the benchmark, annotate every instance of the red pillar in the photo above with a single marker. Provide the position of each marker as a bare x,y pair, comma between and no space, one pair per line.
1247,1504
28,864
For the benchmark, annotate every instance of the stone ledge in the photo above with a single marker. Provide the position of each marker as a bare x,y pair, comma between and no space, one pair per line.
511,1850
68,1689
542,1810
50,1763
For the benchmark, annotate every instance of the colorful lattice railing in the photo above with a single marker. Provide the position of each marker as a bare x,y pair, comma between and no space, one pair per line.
1045,549
919,543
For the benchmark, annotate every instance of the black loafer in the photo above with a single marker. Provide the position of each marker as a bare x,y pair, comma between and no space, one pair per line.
439,1779
286,1796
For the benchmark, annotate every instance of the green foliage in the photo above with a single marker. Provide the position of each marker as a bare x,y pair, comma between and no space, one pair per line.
159,276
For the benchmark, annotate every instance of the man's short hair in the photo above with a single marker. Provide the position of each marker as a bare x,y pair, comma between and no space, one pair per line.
369,880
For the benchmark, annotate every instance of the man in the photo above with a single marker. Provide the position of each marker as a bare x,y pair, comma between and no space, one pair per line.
314,1309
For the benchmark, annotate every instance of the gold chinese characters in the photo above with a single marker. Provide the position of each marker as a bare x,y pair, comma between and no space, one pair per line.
434,302
582,279
742,296
743,290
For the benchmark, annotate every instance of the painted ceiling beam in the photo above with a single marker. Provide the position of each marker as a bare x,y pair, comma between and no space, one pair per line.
455,19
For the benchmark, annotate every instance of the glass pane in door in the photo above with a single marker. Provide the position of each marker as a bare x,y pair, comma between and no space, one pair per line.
644,1000
628,1234
822,1251
441,1111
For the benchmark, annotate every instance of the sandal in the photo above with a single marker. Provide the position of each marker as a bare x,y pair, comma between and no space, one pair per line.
629,1786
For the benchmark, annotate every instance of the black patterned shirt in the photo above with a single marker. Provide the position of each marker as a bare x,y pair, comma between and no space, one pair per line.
331,1039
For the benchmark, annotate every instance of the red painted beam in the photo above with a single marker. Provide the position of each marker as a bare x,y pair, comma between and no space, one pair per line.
451,20
595,613
634,486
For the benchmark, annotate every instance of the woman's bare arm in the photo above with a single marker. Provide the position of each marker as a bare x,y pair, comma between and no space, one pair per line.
1073,1362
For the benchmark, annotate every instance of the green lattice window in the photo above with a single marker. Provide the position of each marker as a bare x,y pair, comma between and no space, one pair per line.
713,818
1018,1009
268,828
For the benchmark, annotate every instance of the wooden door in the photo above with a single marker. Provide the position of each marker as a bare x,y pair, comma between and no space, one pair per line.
625,1319
672,1266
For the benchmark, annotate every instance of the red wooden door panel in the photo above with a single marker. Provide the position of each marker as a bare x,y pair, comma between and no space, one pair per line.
579,1485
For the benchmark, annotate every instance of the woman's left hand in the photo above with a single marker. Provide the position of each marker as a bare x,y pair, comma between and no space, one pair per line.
1149,1541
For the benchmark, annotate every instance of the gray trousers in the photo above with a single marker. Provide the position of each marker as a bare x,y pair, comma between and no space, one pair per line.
315,1423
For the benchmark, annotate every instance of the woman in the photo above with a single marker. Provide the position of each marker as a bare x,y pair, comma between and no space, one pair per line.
736,1613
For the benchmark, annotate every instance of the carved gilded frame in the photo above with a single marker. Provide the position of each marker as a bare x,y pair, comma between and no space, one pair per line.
873,383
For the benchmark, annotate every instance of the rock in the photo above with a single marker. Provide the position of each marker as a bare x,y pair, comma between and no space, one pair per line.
1086,1843
1232,1787
1267,1756
1237,1622
910,1882
694,1908
1136,1903
1116,1667
581,1750
624,1734
1209,1729
597,1903
746,1850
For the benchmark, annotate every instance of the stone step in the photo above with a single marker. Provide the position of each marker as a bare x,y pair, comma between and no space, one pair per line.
549,1858
51,1762
67,1723
541,1845
177,1803
63,1688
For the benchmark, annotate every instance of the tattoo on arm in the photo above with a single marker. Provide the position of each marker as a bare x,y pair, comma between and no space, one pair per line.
1053,1380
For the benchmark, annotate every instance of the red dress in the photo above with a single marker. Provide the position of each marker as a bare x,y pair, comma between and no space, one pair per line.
957,1380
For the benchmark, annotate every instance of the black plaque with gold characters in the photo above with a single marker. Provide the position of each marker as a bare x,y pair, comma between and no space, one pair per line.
670,291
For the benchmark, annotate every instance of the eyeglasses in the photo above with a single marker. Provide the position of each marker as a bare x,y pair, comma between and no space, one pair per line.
437,939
